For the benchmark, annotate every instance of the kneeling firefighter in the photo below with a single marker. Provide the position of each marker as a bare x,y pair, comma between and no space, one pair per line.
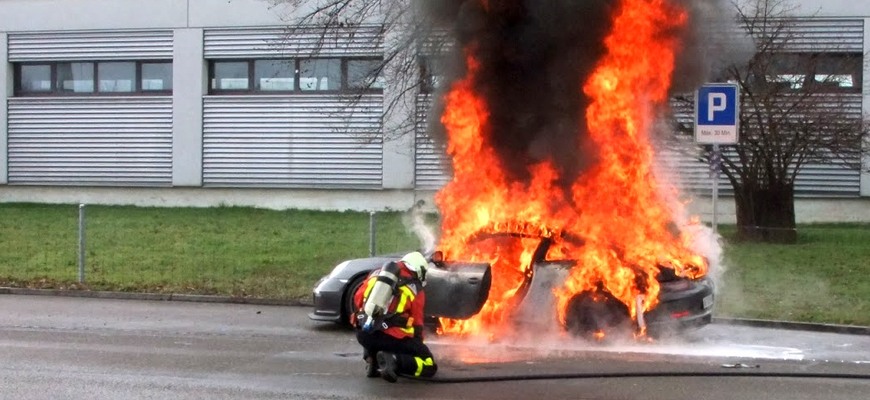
390,320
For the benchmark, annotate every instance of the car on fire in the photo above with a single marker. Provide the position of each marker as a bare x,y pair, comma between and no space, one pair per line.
458,290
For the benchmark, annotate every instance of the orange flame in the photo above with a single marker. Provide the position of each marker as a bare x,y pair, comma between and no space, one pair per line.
617,207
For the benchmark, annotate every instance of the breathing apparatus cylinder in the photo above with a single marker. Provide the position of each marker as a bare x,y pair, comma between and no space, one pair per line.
381,295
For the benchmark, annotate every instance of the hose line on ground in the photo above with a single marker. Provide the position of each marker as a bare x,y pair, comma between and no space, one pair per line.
602,375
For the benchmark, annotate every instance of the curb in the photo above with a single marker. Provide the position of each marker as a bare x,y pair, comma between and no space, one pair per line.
198,298
195,298
796,326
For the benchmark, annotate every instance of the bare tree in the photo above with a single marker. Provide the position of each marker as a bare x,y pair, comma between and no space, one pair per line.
411,43
800,105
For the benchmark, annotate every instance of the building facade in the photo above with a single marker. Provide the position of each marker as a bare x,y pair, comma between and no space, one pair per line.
215,102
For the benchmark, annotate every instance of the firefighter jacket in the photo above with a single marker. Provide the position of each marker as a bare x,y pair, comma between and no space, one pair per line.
405,314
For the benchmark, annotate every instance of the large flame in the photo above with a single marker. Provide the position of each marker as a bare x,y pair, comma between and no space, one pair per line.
619,210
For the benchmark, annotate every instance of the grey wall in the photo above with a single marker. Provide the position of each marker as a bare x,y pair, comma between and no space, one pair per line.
189,84
847,8
833,8
35,15
213,13
399,162
32,15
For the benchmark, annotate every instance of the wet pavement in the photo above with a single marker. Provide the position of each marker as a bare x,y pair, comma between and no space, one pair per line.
61,347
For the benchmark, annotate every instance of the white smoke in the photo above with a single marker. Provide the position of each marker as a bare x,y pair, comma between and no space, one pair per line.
704,241
415,222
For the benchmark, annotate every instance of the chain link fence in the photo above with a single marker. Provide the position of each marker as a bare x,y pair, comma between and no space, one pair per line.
241,252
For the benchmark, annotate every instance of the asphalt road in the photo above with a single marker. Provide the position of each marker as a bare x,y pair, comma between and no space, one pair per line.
77,348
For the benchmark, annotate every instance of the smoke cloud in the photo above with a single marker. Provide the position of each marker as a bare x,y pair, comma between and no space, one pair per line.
712,42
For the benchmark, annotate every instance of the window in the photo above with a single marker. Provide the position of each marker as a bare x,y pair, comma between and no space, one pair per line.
320,74
230,75
365,74
117,76
431,73
77,77
156,76
93,78
816,71
295,75
275,75
838,71
35,78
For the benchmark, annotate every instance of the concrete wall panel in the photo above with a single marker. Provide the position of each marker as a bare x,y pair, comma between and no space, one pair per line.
189,84
47,15
222,13
832,8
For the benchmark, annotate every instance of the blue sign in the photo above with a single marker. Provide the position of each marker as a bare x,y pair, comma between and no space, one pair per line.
717,113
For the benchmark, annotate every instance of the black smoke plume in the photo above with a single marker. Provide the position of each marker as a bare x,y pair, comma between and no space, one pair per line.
535,57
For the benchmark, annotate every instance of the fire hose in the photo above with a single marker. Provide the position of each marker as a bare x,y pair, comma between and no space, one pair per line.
666,374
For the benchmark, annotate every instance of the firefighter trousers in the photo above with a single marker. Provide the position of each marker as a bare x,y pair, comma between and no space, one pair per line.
413,358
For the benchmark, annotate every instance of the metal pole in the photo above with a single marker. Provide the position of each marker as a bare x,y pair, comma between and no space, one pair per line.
81,243
372,233
716,159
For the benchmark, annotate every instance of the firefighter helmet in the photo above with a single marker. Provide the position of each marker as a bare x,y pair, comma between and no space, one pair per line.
416,263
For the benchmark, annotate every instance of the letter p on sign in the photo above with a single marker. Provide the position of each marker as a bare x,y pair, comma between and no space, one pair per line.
717,102
717,114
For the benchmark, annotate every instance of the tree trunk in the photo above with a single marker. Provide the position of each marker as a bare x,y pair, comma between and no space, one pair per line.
766,214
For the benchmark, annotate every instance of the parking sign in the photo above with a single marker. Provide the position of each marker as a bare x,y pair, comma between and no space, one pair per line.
717,113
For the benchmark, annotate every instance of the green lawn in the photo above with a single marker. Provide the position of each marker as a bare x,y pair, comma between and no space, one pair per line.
280,254
236,251
825,277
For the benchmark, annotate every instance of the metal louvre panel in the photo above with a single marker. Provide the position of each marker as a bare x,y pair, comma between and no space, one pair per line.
90,141
814,180
363,41
432,166
91,45
821,35
833,179
295,141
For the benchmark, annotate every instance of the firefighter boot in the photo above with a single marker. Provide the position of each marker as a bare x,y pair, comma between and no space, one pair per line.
388,365
372,367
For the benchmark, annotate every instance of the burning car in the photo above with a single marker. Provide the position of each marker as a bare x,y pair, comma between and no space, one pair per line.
682,302
458,291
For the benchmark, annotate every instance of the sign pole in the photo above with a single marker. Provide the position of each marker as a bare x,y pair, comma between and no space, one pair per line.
717,120
715,160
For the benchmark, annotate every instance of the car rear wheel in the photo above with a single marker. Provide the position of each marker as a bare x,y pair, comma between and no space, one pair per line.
348,308
596,315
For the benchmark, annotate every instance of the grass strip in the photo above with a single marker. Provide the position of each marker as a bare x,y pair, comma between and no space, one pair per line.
251,252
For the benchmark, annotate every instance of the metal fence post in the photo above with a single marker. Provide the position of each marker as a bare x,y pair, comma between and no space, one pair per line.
372,233
81,243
